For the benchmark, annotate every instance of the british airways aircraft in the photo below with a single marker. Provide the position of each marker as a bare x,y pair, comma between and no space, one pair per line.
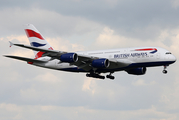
132,60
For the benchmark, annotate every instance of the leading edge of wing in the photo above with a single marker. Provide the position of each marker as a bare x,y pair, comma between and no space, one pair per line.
25,59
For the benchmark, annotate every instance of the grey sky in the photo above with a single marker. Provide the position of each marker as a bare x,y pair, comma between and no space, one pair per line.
136,19
29,92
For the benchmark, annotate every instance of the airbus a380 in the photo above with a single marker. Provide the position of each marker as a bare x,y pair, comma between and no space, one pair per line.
132,60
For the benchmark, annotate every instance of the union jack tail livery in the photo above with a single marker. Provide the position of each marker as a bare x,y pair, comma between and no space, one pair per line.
36,40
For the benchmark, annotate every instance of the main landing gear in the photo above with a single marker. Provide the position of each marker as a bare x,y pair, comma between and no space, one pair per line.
165,71
96,75
110,76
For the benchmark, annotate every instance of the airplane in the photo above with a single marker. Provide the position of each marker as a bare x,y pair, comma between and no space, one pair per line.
132,60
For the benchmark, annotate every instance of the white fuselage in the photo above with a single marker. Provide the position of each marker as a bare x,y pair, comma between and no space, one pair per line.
133,57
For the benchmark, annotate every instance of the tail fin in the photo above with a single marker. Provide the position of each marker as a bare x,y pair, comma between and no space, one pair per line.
36,40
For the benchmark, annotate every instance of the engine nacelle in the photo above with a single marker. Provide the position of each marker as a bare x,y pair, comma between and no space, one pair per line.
69,57
101,63
137,71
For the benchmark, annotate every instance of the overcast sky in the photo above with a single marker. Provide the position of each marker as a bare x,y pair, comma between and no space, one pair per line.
28,92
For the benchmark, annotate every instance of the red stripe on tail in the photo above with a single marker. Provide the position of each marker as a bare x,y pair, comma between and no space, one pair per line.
31,33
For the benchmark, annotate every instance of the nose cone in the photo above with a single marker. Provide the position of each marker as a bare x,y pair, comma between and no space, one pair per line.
172,58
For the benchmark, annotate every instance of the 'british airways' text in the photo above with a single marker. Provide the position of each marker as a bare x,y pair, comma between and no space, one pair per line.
143,54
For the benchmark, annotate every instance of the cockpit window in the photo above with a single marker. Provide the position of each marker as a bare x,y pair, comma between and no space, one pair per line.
168,53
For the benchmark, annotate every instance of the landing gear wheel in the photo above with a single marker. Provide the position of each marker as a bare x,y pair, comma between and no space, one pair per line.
102,77
94,75
107,76
88,75
165,71
110,77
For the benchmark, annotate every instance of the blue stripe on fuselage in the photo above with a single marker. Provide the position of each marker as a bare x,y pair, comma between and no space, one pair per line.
153,51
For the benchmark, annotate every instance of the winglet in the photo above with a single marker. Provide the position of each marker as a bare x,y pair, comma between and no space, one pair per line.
11,44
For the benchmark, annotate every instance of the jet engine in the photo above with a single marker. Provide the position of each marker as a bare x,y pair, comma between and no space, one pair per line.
101,63
137,71
69,57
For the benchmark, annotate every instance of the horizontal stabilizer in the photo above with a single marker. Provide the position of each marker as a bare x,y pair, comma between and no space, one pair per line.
25,59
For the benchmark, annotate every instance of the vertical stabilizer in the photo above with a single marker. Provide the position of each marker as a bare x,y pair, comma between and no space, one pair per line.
36,39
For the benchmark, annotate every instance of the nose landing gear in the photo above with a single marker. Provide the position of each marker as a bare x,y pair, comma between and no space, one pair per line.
165,71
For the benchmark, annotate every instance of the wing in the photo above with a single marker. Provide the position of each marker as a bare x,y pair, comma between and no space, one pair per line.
84,61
